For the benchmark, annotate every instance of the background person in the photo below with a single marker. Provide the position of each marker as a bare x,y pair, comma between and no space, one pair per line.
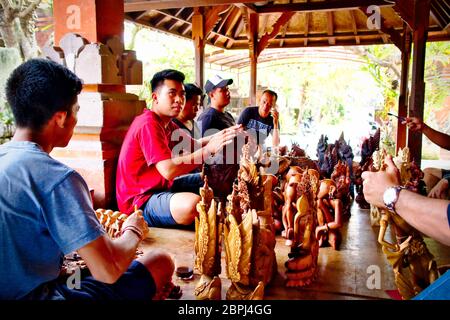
263,120
215,118
437,180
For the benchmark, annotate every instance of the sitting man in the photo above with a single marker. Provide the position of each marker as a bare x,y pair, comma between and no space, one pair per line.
150,172
185,120
215,118
46,209
437,180
263,120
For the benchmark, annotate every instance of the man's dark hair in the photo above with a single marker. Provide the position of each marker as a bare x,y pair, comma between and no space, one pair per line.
272,93
168,74
39,88
192,90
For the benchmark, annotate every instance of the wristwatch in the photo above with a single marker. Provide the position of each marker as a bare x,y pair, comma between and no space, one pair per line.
390,197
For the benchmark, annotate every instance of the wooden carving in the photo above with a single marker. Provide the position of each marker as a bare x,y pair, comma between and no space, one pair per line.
302,263
413,265
207,236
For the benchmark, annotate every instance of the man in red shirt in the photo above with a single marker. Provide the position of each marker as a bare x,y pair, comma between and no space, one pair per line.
150,173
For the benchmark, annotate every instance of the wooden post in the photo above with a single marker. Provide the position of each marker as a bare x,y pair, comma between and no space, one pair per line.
418,72
403,99
253,47
198,37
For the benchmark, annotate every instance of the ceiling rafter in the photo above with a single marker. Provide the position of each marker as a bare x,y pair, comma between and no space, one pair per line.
282,20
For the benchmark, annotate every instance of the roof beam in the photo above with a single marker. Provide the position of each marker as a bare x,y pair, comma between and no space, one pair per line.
233,20
395,36
282,21
307,19
330,28
321,6
354,25
140,5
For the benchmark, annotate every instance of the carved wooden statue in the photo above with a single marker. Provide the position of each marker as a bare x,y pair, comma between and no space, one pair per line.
249,233
332,203
302,263
413,265
208,229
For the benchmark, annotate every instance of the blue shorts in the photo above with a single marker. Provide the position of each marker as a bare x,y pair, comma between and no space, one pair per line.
135,284
157,209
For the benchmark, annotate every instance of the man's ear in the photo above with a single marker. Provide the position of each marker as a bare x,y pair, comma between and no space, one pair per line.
154,97
60,118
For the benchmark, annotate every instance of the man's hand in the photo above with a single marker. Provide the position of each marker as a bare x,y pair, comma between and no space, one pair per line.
136,220
414,124
440,190
375,183
275,116
222,138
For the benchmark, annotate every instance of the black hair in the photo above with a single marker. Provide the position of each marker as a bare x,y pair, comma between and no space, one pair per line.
272,93
39,88
168,74
192,90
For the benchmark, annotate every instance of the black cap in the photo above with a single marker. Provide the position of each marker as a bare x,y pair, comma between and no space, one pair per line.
216,82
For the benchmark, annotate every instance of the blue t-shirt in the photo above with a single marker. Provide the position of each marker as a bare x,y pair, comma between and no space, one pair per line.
212,121
45,212
255,124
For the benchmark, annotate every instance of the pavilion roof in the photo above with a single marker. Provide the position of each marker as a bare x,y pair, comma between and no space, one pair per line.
285,23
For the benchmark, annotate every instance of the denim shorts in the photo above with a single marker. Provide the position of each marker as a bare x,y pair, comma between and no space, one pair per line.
157,209
135,284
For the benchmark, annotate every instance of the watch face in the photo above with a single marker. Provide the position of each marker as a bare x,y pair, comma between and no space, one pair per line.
389,196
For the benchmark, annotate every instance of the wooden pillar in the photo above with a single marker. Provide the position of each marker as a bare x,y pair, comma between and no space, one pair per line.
198,37
417,99
89,40
253,47
403,103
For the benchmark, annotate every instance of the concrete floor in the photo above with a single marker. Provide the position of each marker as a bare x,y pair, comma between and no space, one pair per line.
342,275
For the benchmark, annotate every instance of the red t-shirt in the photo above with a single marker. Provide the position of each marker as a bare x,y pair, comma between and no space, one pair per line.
146,143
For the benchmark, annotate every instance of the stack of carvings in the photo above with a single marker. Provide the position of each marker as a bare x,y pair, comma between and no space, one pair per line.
413,265
106,110
248,235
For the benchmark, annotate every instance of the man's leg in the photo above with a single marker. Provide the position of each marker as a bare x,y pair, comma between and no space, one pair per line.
183,207
160,265
167,209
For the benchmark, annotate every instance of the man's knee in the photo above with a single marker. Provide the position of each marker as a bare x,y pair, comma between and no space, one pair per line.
160,265
433,172
187,210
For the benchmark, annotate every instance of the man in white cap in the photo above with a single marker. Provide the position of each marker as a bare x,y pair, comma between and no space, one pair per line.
215,118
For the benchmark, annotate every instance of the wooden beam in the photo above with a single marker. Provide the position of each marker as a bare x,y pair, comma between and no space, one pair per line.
283,34
321,6
239,28
225,19
416,105
198,37
307,21
282,21
354,25
403,99
213,16
394,35
140,5
232,21
330,28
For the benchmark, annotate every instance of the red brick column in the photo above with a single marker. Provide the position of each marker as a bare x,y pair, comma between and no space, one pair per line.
89,41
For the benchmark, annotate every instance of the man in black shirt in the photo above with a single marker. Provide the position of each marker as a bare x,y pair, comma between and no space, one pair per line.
262,120
215,118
